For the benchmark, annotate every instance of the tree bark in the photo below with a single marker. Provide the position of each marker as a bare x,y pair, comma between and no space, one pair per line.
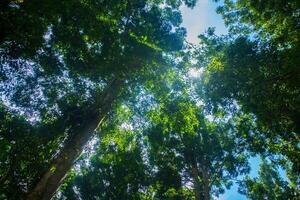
55,174
205,184
197,185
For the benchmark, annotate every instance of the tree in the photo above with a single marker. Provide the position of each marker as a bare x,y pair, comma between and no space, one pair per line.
68,67
124,129
256,67
268,185
116,170
23,148
206,154
180,150
276,23
61,55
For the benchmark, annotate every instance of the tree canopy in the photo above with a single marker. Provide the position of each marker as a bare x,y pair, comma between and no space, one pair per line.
97,101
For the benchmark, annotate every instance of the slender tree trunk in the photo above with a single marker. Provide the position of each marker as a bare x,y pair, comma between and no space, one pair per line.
54,176
196,181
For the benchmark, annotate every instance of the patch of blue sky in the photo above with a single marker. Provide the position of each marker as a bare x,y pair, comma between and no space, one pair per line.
232,193
200,18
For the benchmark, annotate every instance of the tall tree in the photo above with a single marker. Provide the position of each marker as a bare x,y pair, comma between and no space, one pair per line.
117,169
256,66
181,149
61,47
207,154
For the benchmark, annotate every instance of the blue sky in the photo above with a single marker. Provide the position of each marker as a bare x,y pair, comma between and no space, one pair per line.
196,21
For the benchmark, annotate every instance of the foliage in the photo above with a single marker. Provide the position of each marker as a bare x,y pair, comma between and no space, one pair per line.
23,148
183,138
276,22
260,73
57,57
268,185
116,171
165,136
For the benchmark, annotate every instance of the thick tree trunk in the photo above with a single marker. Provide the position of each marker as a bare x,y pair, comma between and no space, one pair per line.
196,181
205,184
54,176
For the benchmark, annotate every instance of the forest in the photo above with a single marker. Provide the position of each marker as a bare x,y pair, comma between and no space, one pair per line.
107,100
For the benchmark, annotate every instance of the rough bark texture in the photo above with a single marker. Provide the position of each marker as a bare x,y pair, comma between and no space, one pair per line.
54,176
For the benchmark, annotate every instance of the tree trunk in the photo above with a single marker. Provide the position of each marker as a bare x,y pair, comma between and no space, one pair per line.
54,176
197,186
205,184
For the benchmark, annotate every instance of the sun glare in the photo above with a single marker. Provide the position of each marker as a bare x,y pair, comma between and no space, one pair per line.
195,72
